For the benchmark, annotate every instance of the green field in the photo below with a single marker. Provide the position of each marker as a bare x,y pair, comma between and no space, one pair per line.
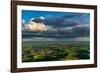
35,51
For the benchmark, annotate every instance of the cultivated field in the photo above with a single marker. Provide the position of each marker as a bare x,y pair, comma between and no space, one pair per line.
35,51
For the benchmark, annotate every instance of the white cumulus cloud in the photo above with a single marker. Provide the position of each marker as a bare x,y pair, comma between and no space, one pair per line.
23,21
33,26
41,17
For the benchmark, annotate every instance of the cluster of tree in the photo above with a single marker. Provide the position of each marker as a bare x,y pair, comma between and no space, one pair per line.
43,54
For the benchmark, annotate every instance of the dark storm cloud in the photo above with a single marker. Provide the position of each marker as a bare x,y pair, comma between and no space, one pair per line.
71,15
63,25
65,20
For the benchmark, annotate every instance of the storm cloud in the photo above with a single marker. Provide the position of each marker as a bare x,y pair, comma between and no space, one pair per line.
60,25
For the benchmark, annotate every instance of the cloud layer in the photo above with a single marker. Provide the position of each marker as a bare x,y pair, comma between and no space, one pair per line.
62,25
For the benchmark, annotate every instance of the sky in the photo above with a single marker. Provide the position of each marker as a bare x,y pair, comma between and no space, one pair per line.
59,24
